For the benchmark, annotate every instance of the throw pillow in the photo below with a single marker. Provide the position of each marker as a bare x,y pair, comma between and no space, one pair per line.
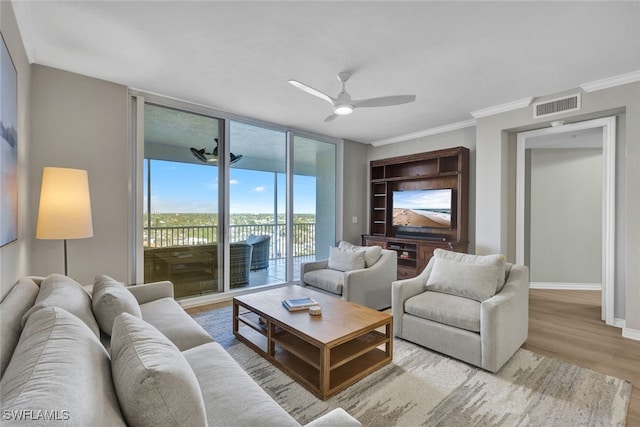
110,298
57,290
59,365
371,253
345,260
20,299
154,383
470,276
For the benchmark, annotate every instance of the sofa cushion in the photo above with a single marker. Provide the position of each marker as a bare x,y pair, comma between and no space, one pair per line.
371,253
346,259
231,397
463,313
19,300
470,276
154,383
168,317
110,298
60,366
325,279
61,291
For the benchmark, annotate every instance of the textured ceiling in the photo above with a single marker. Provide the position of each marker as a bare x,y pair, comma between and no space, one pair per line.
237,56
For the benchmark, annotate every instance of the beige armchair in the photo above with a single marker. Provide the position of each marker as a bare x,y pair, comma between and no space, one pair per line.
483,333
369,286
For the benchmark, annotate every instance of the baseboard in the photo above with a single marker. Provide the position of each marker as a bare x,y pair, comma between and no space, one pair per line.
633,334
619,323
213,298
566,286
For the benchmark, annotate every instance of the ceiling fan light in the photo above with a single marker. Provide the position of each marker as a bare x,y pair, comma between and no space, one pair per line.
343,109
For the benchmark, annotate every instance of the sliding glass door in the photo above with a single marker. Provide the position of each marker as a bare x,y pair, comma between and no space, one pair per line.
257,205
180,214
228,204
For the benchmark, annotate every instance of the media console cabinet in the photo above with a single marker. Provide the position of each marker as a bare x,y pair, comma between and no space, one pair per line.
441,169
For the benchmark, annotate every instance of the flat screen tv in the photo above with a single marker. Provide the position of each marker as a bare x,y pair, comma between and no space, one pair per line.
422,208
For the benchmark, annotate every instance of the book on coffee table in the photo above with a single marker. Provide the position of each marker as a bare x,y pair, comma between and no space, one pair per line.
296,304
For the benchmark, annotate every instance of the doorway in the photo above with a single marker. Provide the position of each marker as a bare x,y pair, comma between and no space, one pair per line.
547,146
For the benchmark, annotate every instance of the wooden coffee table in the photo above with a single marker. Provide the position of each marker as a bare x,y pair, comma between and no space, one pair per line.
325,353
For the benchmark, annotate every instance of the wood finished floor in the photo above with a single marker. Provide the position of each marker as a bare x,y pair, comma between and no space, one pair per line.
566,325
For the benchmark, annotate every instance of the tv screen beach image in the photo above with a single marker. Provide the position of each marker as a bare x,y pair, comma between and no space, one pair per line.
422,208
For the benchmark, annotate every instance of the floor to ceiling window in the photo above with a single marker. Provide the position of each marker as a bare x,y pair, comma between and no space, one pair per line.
180,201
314,200
229,204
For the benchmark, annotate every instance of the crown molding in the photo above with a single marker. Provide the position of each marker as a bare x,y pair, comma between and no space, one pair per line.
621,79
502,108
426,132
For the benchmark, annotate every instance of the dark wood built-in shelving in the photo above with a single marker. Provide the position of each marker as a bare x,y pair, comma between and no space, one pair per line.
448,168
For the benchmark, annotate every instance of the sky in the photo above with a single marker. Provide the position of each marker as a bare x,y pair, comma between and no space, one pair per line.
189,188
421,199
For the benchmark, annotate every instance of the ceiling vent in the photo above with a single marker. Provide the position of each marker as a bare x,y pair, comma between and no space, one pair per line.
556,106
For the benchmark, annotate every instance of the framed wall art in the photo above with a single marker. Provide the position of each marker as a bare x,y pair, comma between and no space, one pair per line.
8,148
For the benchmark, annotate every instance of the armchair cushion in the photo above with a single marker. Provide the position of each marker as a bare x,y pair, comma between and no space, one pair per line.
371,253
470,276
451,310
326,279
346,259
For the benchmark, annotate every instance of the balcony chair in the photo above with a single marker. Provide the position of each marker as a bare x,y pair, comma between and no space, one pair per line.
362,275
473,308
260,251
190,266
239,263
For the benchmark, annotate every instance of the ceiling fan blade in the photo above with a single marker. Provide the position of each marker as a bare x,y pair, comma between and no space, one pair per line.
330,118
384,101
311,91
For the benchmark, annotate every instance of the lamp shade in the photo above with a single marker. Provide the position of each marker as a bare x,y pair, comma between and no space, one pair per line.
65,205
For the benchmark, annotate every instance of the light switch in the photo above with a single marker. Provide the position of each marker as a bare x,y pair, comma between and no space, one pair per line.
354,219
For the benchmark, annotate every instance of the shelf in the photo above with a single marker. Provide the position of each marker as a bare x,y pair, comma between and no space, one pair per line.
403,248
300,348
344,353
365,364
402,262
257,339
439,169
247,319
297,367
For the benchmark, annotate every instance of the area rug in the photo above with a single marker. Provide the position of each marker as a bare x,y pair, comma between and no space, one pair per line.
424,388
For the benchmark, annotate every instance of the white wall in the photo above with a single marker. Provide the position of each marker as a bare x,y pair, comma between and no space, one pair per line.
354,191
15,259
566,215
81,122
495,208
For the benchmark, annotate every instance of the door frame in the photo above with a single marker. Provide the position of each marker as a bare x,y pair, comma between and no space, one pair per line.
608,125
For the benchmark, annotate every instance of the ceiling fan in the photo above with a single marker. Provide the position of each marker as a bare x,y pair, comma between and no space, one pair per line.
343,104
212,157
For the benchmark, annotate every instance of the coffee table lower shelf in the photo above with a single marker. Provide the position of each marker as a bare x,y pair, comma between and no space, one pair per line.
322,369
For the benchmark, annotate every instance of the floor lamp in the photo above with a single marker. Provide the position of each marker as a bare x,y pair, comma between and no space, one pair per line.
65,206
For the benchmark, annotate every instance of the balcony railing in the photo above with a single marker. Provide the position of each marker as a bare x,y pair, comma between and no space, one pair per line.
304,236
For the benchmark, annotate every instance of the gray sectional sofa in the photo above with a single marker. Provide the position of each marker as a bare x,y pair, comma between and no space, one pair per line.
116,355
